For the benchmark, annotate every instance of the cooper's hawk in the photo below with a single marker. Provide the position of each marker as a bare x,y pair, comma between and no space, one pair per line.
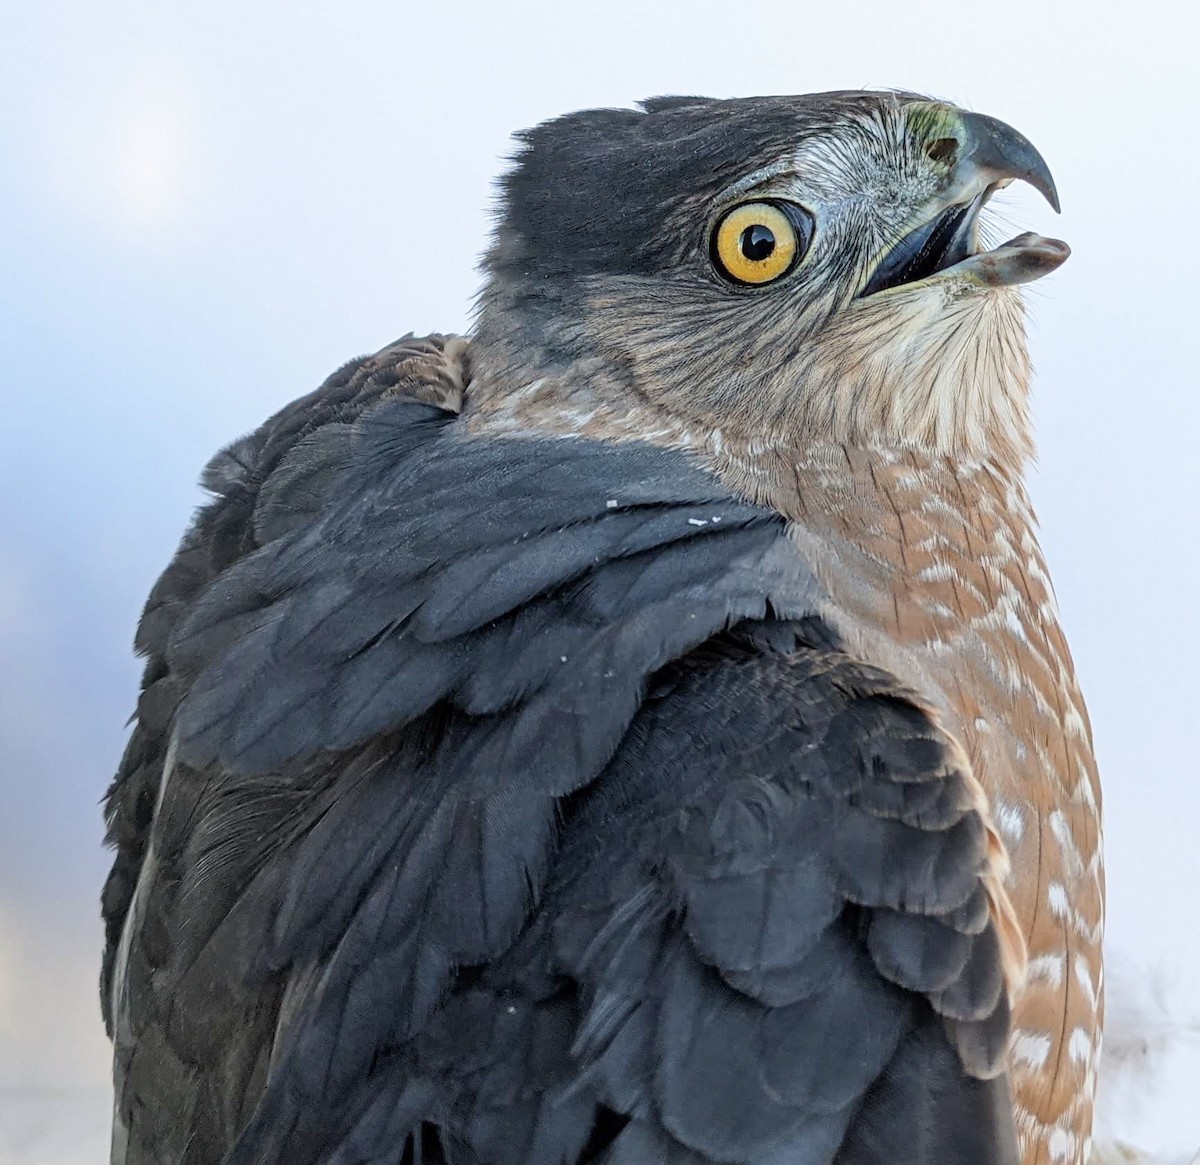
639,732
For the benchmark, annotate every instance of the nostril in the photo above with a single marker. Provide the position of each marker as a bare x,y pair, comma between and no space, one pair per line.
943,150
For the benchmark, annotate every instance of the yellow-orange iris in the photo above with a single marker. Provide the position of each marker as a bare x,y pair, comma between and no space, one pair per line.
755,243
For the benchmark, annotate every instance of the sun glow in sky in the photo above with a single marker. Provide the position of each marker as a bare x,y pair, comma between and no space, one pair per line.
150,157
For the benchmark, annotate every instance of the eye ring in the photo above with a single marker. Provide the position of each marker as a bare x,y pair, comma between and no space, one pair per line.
759,242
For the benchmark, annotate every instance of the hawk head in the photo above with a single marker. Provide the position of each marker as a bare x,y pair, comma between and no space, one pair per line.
772,269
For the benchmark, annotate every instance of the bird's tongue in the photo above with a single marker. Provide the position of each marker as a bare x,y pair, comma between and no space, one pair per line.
1020,260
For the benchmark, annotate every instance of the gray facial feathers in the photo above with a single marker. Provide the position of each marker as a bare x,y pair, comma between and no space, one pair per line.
600,192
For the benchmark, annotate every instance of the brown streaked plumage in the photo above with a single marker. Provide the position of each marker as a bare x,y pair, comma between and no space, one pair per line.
942,581
894,434
596,739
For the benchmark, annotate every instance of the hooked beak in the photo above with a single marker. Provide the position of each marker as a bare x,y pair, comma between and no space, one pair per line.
998,152
982,155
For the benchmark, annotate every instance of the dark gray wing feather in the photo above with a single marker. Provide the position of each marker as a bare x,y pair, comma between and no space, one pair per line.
263,485
720,970
456,818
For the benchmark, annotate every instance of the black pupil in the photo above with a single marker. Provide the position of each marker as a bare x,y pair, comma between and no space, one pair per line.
757,243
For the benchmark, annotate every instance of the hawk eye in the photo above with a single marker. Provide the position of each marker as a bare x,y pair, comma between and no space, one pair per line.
760,242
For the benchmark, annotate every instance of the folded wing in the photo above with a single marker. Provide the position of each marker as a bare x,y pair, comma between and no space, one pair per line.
509,801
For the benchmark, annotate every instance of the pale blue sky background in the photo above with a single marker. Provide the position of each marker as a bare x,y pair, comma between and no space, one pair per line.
205,208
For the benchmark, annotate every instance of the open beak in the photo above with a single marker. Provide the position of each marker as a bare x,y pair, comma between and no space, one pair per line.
983,155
